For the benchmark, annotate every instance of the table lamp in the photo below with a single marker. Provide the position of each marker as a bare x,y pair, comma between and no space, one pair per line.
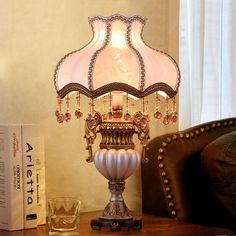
115,67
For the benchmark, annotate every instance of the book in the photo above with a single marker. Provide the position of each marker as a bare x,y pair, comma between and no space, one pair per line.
34,176
22,177
29,135
11,184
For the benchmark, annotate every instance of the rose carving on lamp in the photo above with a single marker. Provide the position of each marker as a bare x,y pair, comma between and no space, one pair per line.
117,65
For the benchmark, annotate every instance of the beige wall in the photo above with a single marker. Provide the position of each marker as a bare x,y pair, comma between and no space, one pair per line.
34,35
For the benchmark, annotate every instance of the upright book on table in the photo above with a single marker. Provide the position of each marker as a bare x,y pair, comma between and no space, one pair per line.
34,176
11,184
29,134
22,177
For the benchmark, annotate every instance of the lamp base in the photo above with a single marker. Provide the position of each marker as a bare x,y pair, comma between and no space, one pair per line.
116,224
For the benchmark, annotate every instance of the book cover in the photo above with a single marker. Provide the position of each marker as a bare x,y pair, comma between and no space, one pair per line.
29,135
34,176
11,185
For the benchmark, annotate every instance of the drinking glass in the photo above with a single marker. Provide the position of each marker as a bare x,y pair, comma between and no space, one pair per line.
63,216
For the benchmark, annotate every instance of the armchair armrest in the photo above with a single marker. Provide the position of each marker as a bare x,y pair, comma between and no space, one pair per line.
173,182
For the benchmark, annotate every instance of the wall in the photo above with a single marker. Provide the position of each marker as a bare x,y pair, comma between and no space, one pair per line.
34,35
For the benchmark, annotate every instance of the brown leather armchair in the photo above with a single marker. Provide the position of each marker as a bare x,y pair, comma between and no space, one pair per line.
174,182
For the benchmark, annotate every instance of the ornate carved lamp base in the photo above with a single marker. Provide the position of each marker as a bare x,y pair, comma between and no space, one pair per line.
116,214
116,208
116,160
116,224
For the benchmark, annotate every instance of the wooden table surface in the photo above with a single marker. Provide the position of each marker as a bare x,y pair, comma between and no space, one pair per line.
152,225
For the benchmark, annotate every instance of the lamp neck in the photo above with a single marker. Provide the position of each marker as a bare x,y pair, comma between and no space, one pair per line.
117,104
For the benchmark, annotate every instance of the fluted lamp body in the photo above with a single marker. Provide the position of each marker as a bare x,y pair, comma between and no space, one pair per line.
118,66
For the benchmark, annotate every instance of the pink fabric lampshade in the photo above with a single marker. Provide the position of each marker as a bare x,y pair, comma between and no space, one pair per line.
117,59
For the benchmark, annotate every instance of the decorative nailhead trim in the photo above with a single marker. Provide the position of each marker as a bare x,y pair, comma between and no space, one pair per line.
166,181
168,140
173,213
163,173
197,132
171,204
164,144
161,165
185,135
175,137
168,189
161,150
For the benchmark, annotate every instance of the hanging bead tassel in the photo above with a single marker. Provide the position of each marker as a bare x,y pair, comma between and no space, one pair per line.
127,116
174,114
58,113
146,110
67,114
166,118
78,113
157,114
143,105
109,115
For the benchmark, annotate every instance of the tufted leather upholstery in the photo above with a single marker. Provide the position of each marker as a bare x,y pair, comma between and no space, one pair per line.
174,183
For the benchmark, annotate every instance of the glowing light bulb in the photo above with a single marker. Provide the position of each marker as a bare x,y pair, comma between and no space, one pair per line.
118,40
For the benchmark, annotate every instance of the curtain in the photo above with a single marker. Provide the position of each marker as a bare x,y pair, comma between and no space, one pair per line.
207,38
